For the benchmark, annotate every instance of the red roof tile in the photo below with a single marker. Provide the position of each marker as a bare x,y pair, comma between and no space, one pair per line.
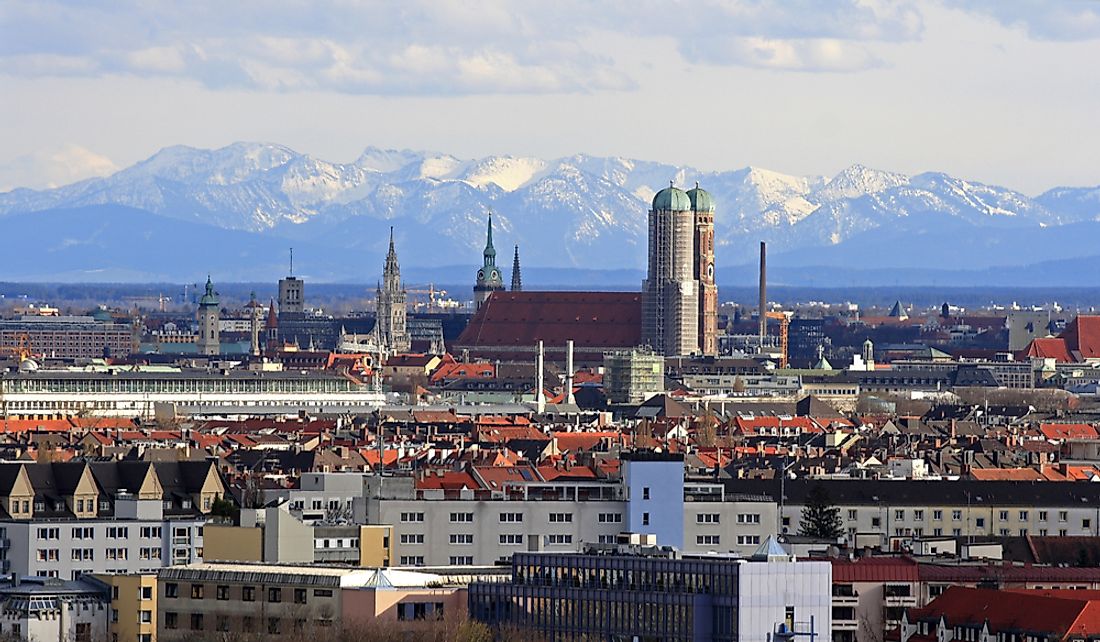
875,569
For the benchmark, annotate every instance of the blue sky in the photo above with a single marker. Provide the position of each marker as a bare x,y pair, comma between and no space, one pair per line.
1001,91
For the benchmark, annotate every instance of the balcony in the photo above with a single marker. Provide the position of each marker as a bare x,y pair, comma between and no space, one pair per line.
906,601
845,595
845,625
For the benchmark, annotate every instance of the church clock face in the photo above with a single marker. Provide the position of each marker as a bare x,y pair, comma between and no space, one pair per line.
481,274
494,275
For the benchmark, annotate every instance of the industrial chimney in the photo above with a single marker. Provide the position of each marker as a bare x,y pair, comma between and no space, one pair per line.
569,372
540,396
763,292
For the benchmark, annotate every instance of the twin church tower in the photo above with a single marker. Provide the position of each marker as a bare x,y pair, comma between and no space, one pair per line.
679,295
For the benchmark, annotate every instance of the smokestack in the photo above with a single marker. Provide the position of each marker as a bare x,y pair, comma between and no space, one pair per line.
540,397
763,291
569,372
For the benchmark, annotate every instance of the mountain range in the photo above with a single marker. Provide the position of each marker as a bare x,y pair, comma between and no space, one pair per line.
234,211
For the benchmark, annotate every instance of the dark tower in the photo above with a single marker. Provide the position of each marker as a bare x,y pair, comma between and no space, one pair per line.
488,277
517,279
391,303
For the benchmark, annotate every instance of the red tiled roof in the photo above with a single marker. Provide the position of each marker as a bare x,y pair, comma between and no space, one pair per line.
1015,611
946,573
875,569
1049,348
1083,336
1006,474
1068,431
448,480
589,319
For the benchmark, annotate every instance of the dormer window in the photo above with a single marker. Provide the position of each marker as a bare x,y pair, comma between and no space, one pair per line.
187,503
39,505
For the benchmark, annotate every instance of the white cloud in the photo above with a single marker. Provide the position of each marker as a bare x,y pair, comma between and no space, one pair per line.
435,46
1042,20
52,168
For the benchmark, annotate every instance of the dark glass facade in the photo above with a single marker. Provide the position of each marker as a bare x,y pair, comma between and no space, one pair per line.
602,596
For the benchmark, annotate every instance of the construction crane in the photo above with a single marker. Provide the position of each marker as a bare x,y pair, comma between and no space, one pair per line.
434,296
784,319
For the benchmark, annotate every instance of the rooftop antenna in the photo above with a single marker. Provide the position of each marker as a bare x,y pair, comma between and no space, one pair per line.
291,261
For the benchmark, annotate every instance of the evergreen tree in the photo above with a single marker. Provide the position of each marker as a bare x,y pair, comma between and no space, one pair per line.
820,517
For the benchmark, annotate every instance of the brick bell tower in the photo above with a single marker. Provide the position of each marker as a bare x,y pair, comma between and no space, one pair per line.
702,206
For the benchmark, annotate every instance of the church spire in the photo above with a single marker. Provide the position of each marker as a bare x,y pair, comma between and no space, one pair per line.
490,253
517,279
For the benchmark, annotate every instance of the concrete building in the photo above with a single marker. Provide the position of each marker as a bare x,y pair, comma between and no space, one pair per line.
632,376
66,519
40,609
133,606
392,306
142,391
209,337
670,292
282,599
292,297
654,485
649,593
489,279
67,337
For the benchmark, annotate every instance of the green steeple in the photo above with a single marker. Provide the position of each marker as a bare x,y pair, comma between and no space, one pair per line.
490,252
211,297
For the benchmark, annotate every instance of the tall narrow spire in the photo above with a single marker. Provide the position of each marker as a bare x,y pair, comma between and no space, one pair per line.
517,279
490,253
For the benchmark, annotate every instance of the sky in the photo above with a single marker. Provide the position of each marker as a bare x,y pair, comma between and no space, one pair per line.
999,91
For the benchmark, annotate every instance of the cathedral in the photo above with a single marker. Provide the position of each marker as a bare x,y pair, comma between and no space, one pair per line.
679,295
391,329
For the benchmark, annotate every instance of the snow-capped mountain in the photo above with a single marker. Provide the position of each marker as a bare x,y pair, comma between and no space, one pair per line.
577,211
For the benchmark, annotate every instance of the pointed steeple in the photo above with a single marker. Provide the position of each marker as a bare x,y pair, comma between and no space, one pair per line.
490,253
517,279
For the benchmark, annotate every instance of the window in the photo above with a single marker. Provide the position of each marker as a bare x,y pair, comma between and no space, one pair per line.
462,538
511,539
322,592
607,539
274,594
196,621
145,617
558,518
146,592
559,539
299,596
645,519
899,514
956,515
464,518
171,589
412,538
876,522
197,591
1023,516
937,532
852,514
412,517
1063,515
412,560
980,522
937,514
1003,516
274,626
748,540
707,518
611,518
223,623
511,518
461,560
1086,523
223,592
645,492
171,620
918,515
707,540
83,533
1043,516
748,518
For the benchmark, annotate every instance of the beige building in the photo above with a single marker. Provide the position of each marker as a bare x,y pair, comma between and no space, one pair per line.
670,292
133,607
279,599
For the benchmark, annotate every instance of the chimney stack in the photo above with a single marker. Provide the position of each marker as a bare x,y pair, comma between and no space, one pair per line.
540,396
569,372
763,292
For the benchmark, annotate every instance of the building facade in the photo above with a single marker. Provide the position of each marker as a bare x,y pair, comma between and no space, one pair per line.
67,337
702,206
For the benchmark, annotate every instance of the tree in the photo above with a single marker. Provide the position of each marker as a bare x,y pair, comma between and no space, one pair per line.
820,517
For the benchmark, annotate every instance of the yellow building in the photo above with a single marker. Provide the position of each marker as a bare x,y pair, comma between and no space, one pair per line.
375,546
133,615
223,543
282,538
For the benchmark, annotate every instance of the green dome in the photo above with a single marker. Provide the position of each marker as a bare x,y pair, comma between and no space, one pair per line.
210,297
671,198
701,200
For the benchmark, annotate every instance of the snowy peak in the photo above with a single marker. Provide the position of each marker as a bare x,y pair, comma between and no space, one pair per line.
858,180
